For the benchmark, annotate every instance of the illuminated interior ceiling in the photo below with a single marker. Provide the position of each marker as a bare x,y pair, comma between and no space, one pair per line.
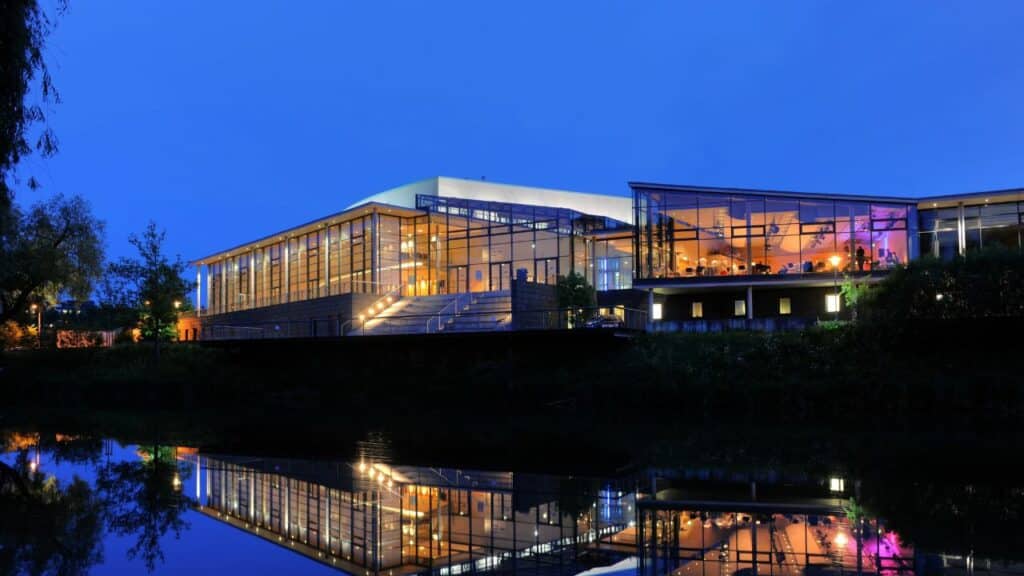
616,207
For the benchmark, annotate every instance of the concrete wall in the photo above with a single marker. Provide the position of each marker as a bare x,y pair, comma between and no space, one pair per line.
318,317
534,306
805,303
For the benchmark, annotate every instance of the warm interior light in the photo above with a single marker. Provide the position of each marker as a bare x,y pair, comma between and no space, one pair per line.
834,260
841,540
656,311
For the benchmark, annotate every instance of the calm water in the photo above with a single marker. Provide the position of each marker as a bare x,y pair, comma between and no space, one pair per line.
97,506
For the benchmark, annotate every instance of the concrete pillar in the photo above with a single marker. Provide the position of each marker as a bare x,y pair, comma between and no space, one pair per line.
750,302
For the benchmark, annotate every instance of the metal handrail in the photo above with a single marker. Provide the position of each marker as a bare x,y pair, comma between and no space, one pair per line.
455,302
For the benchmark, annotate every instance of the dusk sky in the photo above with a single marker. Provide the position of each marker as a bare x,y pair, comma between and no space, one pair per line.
225,121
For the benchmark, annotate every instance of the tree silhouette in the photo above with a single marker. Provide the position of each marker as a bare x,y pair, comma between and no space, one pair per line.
143,498
46,527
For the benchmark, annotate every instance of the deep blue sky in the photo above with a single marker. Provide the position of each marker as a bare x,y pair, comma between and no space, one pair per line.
228,120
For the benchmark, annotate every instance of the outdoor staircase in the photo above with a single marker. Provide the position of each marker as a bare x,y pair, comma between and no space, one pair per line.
486,312
409,315
474,312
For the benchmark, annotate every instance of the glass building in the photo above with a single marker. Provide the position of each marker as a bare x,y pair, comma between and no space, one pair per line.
668,255
427,240
953,225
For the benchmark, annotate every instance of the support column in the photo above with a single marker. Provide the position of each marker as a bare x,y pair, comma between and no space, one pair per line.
251,299
199,290
209,290
325,242
650,310
961,229
286,288
375,253
750,302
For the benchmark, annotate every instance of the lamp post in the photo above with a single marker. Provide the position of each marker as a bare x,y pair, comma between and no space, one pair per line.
38,310
834,260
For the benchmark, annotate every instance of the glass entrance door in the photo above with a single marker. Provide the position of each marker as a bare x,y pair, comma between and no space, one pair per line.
501,275
547,270
458,279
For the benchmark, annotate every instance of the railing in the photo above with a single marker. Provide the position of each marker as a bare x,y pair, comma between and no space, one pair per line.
452,318
778,324
456,305
244,302
617,317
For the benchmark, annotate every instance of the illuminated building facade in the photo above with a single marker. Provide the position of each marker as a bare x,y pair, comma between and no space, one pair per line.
739,257
682,256
437,237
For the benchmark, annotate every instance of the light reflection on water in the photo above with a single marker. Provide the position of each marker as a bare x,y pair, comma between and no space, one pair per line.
97,506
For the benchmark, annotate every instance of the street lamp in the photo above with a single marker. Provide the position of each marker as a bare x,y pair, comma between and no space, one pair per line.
835,260
39,321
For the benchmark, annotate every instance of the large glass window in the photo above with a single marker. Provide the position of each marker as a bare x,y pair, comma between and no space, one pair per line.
276,272
389,243
782,236
613,268
682,233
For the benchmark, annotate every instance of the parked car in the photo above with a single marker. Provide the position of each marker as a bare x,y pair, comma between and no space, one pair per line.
604,321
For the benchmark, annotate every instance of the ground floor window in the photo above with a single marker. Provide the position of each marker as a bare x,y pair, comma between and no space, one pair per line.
832,302
739,307
785,306
697,309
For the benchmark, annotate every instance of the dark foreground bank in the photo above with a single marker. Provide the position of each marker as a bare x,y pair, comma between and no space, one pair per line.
598,393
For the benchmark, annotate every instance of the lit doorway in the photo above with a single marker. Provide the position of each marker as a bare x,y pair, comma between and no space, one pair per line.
547,270
458,279
501,275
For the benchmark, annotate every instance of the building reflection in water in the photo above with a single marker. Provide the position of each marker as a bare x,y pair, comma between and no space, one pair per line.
701,537
373,517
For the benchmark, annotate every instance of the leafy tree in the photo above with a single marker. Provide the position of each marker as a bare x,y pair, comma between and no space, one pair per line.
576,294
54,248
152,284
854,292
23,70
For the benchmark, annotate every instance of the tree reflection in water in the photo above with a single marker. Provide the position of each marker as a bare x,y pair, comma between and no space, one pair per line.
47,527
143,498
54,527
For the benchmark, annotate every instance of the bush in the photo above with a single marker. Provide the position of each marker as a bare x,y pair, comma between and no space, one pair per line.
985,284
14,335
